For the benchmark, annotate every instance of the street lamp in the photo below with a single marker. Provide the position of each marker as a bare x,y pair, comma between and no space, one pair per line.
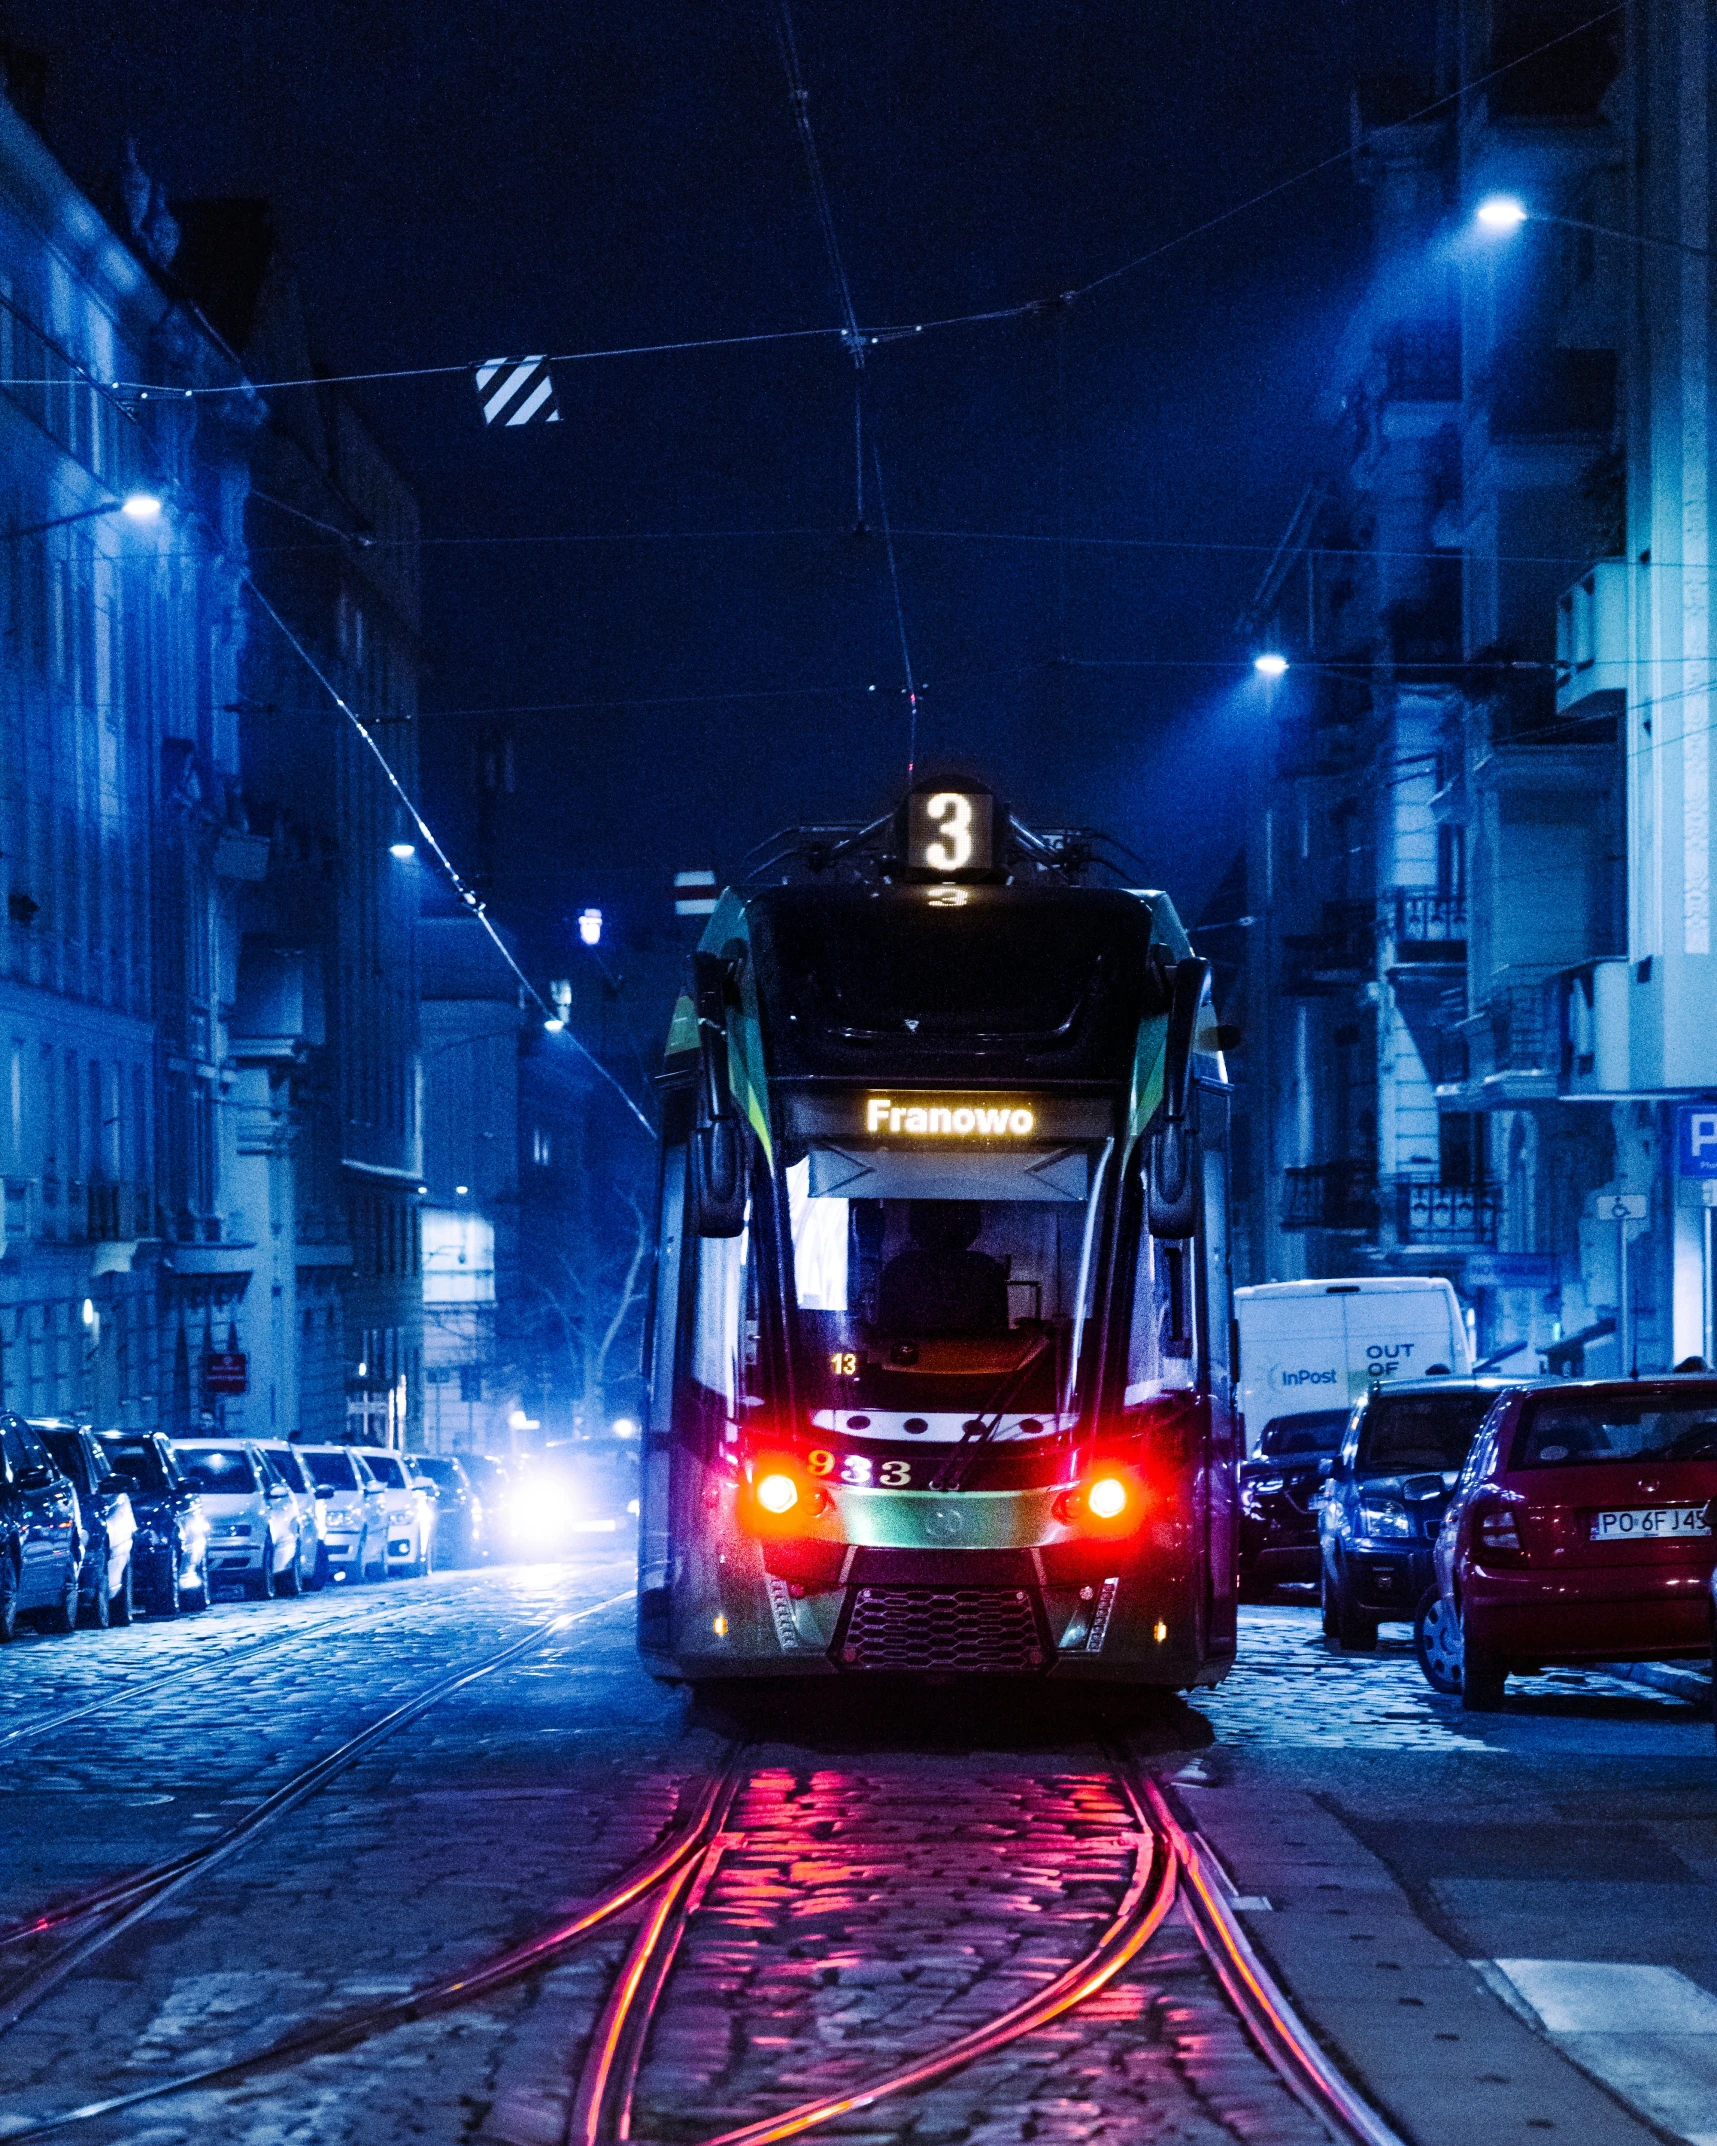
590,926
1503,214
404,851
1270,666
136,506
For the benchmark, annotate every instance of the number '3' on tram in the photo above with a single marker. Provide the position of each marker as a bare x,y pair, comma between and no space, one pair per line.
939,1341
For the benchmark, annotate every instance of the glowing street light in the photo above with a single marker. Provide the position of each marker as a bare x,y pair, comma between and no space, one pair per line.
1501,213
1270,666
404,851
554,1024
141,506
590,926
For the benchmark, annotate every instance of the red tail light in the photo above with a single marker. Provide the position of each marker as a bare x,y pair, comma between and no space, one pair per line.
1109,1503
1496,1535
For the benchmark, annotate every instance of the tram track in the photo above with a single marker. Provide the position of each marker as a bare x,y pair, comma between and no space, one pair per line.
1171,1869
100,1918
198,1665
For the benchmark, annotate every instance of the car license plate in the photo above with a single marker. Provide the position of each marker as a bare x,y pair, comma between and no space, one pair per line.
1645,1522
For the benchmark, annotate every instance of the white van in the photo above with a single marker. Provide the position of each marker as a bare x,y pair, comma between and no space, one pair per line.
1307,1348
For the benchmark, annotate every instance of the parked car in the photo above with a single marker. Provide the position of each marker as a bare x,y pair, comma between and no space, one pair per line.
458,1509
354,1521
253,1524
170,1551
410,1511
41,1545
1279,1491
108,1524
312,1556
1383,1505
492,1479
1580,1531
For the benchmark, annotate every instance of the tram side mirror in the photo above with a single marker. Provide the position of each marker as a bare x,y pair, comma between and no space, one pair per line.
1172,1209
718,1138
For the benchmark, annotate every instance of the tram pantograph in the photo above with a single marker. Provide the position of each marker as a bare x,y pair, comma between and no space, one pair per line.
939,1342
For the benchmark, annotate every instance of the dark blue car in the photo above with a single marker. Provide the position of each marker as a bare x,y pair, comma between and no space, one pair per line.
1386,1495
170,1552
41,1547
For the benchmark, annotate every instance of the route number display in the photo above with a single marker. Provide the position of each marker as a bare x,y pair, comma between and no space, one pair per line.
949,831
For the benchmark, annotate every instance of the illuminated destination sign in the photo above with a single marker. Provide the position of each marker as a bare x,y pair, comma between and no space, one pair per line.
921,1118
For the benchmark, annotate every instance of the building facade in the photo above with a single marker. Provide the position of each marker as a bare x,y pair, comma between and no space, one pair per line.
208,1135
1479,987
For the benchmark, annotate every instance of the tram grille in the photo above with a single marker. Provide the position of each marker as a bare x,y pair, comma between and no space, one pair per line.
943,1628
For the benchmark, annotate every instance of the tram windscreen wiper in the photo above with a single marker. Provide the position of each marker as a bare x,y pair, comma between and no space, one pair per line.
977,1433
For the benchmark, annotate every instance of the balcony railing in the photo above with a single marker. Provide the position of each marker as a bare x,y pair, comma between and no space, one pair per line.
1330,1195
1429,926
1430,1213
1337,958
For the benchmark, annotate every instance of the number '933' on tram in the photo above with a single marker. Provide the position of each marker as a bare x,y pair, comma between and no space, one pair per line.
939,1341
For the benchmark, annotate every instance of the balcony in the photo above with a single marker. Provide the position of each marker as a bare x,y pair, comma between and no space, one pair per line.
1331,1195
1435,1215
1340,957
1429,926
1592,647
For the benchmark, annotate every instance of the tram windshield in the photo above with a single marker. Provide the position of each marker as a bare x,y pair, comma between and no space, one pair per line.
920,1313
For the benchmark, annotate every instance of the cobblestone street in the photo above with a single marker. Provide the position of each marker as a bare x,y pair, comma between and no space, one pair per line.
882,1886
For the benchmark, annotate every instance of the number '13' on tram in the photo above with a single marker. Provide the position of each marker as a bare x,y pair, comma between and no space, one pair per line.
938,1348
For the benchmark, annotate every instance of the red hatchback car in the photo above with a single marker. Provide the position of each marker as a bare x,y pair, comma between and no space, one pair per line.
1580,1531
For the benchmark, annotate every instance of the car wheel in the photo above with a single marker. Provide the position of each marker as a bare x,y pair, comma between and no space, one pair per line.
291,1581
261,1588
1327,1602
62,1616
120,1608
8,1599
1483,1678
196,1597
324,1572
1352,1631
99,1608
1437,1643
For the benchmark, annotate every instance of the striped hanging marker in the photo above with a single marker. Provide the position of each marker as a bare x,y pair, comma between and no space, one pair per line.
516,390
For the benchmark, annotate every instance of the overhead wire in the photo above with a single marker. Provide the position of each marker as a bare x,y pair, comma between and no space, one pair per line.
870,338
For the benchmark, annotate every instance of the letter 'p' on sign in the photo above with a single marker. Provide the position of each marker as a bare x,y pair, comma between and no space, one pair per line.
1698,1141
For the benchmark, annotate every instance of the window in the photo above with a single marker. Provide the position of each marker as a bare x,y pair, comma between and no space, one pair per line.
1419,1433
220,1471
1585,1434
331,1471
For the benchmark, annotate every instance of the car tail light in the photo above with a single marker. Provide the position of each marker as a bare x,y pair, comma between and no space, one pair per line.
1496,1534
1109,1503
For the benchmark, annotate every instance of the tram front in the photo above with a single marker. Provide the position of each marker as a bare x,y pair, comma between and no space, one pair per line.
939,1343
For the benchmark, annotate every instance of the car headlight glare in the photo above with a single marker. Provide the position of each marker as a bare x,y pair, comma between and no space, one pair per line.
1380,1517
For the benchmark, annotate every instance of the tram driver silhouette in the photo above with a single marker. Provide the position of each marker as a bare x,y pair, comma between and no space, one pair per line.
938,1286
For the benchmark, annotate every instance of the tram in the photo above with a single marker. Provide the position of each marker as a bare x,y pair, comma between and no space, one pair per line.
939,1343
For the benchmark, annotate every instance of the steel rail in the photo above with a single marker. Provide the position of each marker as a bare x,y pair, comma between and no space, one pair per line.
1149,1896
328,2037
103,1898
42,1981
1281,2036
28,1731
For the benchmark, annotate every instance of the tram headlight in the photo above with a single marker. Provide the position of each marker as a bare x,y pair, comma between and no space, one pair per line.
1109,1503
777,1494
1106,1499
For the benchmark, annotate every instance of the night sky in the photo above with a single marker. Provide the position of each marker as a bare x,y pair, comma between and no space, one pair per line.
677,559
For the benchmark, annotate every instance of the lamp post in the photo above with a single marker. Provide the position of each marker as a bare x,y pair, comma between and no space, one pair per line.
1503,214
135,506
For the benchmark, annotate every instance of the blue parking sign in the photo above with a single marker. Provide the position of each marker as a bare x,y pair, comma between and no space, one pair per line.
1697,1139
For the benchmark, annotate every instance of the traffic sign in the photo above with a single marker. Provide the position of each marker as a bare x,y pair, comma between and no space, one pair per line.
1696,1138
225,1372
1620,1206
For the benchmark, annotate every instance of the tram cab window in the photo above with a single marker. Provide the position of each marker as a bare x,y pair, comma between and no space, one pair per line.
913,1307
1159,1344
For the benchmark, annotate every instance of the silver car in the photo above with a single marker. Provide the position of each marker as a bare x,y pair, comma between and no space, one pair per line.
354,1521
253,1521
312,1559
410,1513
